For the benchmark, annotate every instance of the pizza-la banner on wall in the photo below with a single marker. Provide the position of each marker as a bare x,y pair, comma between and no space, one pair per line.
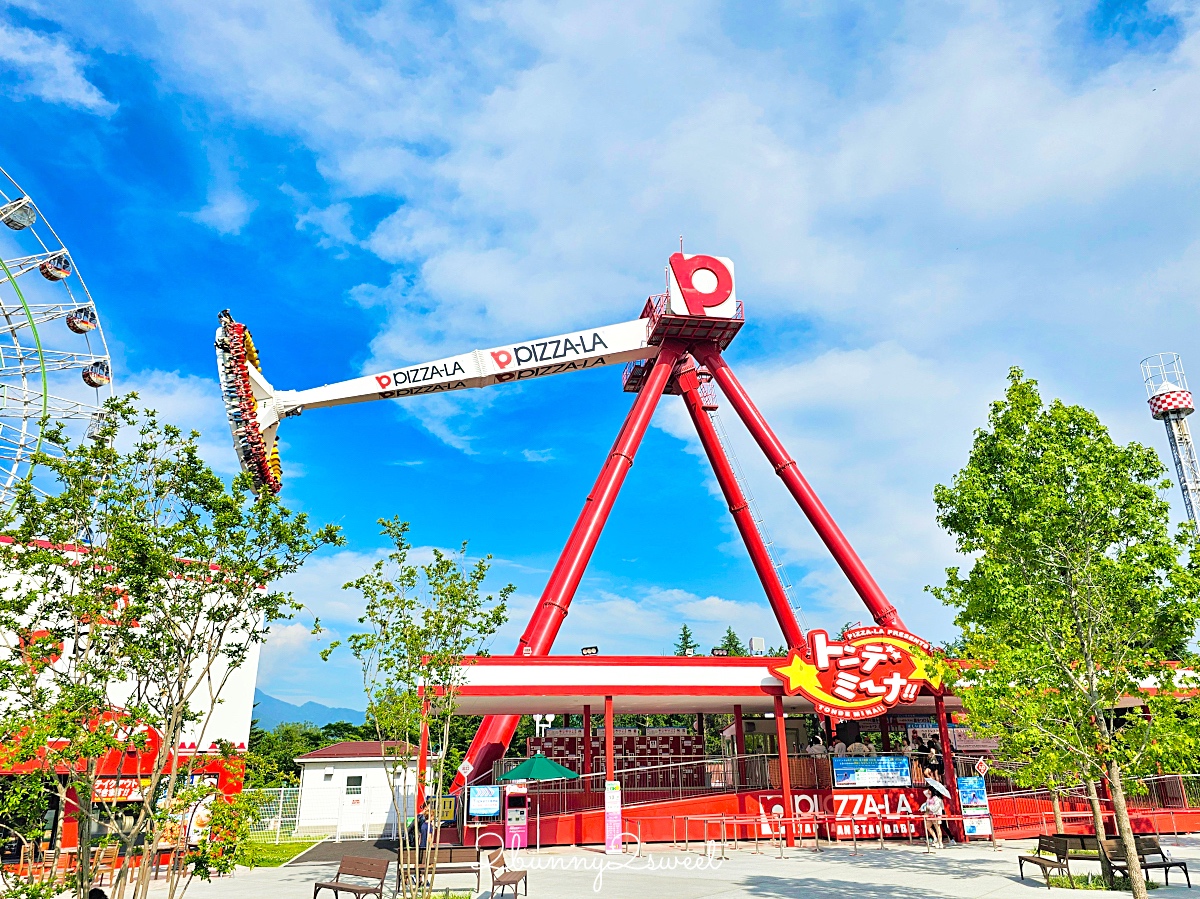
864,674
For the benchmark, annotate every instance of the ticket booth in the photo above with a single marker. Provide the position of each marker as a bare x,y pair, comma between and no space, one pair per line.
516,816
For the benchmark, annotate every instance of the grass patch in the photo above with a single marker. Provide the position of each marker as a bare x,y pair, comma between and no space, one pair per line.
272,855
1096,882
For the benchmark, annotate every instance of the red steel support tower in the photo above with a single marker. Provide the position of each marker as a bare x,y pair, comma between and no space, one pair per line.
686,320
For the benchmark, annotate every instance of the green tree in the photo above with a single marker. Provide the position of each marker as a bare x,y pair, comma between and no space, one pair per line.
1077,598
271,754
731,643
419,624
24,805
686,644
136,579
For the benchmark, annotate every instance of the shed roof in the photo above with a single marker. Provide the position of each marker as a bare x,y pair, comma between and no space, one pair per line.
358,750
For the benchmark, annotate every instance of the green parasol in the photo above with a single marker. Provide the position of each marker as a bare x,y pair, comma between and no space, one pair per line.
539,768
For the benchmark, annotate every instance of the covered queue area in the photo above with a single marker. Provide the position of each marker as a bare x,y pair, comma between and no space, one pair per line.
662,739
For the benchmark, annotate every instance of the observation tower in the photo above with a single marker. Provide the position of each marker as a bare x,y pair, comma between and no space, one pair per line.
1171,403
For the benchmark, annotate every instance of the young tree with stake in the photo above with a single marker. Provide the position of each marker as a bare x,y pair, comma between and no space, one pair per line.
1078,600
420,622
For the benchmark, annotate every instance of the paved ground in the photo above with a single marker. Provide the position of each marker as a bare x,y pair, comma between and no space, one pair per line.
897,872
331,853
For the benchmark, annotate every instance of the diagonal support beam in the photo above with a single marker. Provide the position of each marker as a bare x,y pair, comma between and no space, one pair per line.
496,731
873,597
689,385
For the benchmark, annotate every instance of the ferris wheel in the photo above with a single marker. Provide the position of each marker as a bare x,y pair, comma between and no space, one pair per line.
54,362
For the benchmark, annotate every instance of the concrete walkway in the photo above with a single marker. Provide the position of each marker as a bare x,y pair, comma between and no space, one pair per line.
897,872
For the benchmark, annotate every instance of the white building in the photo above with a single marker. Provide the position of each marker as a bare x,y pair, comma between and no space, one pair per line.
346,790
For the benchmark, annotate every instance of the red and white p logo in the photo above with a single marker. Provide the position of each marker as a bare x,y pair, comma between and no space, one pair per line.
702,286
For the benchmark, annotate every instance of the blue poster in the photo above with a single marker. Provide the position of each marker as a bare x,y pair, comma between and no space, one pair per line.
483,802
871,771
972,796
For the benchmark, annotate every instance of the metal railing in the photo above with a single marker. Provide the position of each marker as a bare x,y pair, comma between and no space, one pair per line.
679,779
648,783
1158,799
284,815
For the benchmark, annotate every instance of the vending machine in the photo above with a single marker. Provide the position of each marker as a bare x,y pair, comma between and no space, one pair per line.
516,816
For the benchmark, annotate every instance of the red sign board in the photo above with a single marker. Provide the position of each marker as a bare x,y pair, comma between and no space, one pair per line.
125,789
862,675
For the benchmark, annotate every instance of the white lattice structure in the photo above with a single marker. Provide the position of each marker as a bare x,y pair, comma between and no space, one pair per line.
1171,402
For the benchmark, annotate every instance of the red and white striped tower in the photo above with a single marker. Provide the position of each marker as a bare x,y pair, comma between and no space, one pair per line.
1171,403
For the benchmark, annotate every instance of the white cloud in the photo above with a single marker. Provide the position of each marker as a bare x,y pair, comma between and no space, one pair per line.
318,586
285,643
333,224
542,455
228,208
48,68
190,402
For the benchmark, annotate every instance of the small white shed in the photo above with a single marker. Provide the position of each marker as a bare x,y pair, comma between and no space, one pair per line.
346,790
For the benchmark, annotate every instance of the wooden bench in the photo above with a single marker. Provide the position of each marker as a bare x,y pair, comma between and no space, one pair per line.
369,869
1079,847
450,860
1057,848
1147,847
504,877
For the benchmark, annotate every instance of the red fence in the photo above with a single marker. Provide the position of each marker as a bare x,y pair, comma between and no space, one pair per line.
1166,804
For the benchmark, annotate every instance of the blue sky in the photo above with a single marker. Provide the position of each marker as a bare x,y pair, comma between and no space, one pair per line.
917,196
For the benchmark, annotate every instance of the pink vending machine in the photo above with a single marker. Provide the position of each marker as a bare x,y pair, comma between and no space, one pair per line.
516,816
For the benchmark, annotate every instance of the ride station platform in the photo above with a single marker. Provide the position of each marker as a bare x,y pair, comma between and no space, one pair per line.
669,784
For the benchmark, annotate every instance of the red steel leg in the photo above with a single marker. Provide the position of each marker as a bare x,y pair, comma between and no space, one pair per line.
587,748
949,774
610,767
496,731
785,774
689,384
422,758
739,745
882,611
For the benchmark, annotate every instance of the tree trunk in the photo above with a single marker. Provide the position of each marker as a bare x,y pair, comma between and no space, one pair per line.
83,800
1098,828
1057,806
1137,879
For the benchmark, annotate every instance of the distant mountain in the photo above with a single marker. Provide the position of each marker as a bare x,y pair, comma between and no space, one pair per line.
269,711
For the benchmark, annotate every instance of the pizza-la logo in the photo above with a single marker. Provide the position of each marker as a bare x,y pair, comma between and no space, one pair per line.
702,286
863,675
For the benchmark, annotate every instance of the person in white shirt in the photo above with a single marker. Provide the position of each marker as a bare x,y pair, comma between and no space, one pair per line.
839,748
933,808
857,748
817,748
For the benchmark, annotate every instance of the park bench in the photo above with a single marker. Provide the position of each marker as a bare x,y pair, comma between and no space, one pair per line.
372,870
1079,847
504,877
1058,862
1147,848
450,860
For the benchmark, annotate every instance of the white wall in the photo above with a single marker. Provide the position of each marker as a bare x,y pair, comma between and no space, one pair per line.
229,720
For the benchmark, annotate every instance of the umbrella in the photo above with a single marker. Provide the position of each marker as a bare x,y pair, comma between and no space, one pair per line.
937,787
539,768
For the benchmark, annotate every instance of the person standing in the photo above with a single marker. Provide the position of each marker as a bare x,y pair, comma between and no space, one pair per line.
933,808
